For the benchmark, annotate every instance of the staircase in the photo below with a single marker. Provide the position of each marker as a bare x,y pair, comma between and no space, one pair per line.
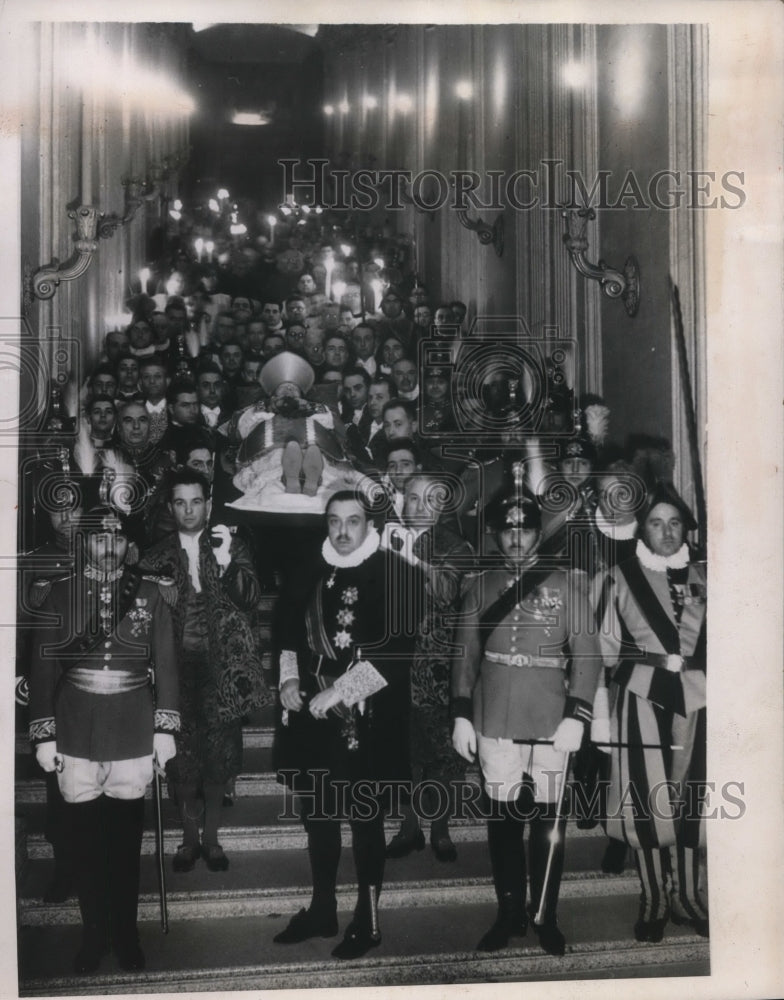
432,914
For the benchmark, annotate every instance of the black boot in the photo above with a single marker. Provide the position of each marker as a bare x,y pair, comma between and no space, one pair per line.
85,825
507,860
320,919
363,933
63,884
653,913
125,828
543,829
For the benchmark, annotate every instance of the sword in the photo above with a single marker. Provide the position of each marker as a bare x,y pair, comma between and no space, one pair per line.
620,745
555,836
157,772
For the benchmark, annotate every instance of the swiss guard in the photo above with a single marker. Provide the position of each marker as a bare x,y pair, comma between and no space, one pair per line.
522,623
103,703
651,609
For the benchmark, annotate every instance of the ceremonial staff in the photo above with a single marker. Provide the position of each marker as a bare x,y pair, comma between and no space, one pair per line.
691,417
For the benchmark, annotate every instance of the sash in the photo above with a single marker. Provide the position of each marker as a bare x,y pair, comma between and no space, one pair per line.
492,617
318,640
682,692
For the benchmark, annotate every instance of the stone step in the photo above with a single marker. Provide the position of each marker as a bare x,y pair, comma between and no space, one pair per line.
256,880
253,824
421,945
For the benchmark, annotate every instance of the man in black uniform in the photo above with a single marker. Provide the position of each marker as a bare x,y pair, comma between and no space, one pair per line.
97,720
346,714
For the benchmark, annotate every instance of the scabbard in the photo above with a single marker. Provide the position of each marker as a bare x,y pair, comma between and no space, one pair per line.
159,853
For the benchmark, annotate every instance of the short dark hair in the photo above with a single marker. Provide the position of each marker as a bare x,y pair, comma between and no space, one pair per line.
151,359
355,496
229,343
186,477
208,368
102,369
100,398
403,444
174,302
198,439
178,387
401,404
359,370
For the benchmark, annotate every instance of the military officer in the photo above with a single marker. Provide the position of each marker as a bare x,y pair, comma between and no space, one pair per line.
97,721
521,623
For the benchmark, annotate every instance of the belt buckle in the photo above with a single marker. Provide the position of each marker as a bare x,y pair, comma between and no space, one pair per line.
520,660
674,662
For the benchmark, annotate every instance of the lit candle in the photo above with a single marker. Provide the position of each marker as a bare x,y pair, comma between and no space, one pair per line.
329,267
209,246
144,277
272,220
198,246
223,194
378,286
214,206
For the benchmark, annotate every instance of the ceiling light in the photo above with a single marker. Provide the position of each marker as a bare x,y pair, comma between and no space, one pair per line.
464,90
329,109
249,118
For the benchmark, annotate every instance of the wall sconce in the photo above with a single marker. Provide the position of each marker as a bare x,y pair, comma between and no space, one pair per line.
487,234
134,198
47,278
615,285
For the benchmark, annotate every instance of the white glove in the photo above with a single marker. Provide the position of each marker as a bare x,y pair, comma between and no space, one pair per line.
568,736
222,552
163,748
600,733
46,755
464,738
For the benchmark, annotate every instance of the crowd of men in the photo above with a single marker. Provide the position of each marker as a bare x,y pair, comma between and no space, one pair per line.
457,593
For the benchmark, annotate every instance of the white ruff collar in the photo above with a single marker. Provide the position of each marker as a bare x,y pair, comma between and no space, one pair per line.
365,551
620,532
660,564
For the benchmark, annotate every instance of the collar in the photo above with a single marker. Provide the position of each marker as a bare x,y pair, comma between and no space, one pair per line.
660,564
142,352
159,407
355,558
620,532
190,541
93,573
210,409
412,396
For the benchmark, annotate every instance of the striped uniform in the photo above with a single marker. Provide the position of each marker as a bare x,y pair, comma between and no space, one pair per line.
650,621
